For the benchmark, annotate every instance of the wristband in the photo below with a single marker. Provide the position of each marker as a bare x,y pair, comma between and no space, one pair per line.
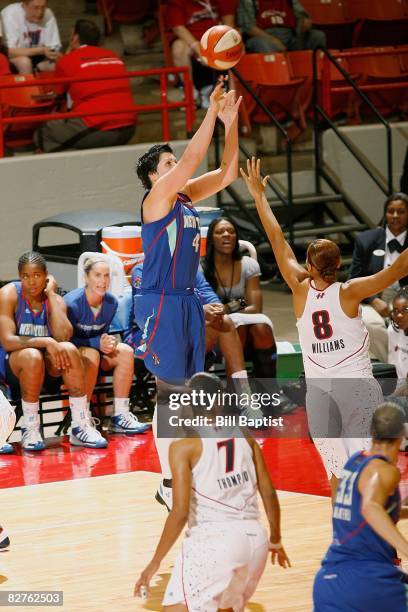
275,546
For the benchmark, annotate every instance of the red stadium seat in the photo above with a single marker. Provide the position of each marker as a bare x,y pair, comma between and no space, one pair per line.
382,22
388,69
302,67
4,65
332,16
271,78
22,102
124,11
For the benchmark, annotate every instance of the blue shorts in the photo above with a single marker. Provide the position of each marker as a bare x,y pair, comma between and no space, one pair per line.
360,586
173,333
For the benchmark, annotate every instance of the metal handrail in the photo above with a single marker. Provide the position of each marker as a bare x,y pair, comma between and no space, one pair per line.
164,105
318,110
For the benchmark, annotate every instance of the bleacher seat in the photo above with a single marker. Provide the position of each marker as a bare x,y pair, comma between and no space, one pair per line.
23,102
381,22
271,78
333,17
302,67
388,69
123,11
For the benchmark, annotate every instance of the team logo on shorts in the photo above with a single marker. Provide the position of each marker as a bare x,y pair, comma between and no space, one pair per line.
155,358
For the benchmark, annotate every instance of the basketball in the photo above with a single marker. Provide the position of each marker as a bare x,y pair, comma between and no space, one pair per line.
221,47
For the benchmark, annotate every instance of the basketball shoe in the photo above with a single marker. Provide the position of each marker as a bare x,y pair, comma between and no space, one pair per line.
85,433
4,539
164,494
6,449
127,423
31,438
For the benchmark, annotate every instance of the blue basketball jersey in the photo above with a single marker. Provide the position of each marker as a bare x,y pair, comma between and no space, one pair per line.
172,248
89,328
28,322
353,538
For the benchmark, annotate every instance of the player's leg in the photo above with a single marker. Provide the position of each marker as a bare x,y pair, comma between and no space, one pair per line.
122,364
91,361
83,431
27,367
164,494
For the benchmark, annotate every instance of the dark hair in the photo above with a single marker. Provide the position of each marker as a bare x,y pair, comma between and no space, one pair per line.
387,423
87,32
34,258
324,255
399,195
402,294
149,161
208,261
211,385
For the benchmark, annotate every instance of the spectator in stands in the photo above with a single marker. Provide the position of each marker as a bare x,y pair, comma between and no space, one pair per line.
90,310
189,19
375,250
235,279
85,58
34,349
31,35
277,25
398,334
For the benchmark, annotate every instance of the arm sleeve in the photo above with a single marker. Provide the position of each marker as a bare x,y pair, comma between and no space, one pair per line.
250,267
206,293
175,15
51,34
246,18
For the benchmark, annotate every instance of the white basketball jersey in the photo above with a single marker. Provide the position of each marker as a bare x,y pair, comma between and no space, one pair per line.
333,344
398,351
224,485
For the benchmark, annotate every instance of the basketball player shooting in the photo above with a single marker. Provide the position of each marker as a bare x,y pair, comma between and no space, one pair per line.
165,306
333,337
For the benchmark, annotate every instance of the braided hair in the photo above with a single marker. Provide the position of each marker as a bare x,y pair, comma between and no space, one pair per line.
34,258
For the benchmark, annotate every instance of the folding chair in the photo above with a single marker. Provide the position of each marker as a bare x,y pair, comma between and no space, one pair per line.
332,16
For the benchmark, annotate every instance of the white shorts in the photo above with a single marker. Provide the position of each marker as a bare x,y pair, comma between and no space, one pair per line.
219,566
339,413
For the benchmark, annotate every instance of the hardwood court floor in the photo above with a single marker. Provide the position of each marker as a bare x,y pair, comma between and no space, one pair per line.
91,537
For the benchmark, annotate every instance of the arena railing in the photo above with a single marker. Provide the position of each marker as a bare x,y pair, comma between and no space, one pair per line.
164,106
322,108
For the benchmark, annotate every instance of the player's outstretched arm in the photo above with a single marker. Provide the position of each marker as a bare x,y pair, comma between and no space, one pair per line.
366,286
271,505
161,197
179,456
212,182
291,270
377,482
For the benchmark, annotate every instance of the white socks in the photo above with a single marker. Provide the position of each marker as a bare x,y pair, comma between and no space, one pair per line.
120,405
30,413
79,410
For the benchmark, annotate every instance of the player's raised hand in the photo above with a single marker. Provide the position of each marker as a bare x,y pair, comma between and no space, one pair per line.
253,180
229,106
218,94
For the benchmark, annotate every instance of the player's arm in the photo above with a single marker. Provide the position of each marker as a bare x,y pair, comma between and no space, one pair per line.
360,288
271,505
377,482
212,182
161,197
180,464
253,295
60,326
291,270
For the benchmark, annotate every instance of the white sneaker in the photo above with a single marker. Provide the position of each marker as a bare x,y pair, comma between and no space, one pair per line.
31,438
88,436
127,423
4,539
164,496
